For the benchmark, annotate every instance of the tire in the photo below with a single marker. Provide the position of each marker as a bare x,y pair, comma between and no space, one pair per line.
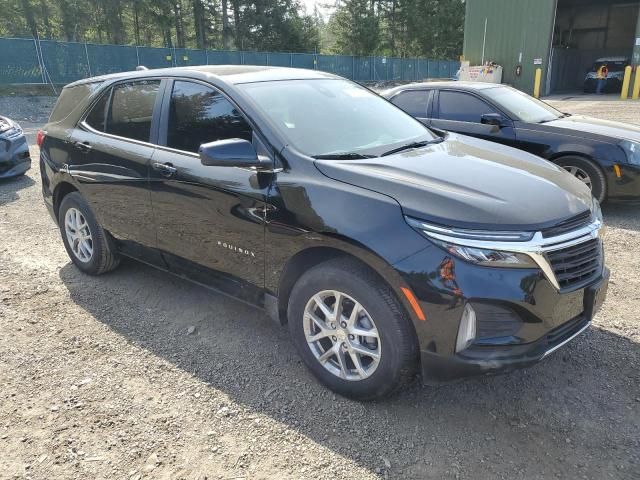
104,257
593,171
397,344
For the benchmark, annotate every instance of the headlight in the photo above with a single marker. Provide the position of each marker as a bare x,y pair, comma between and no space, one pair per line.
5,124
597,211
8,126
632,149
478,256
488,258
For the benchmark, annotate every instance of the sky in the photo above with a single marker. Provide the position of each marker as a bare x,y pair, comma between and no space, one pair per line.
309,4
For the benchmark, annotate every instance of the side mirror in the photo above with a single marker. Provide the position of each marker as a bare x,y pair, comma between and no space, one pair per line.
233,152
493,119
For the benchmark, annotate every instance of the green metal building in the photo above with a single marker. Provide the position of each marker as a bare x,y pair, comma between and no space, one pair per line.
562,37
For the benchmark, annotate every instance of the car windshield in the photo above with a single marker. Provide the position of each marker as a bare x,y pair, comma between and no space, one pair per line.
521,106
335,117
615,66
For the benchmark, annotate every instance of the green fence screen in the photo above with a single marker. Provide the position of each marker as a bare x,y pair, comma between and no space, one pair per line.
48,61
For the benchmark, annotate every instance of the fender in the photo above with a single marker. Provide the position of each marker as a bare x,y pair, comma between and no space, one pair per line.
302,230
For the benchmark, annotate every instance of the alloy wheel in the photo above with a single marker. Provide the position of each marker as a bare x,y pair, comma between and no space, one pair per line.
580,174
78,234
342,335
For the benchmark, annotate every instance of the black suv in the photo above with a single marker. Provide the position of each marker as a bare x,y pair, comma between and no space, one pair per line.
383,246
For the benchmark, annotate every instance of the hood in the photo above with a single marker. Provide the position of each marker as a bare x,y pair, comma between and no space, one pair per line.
608,128
466,182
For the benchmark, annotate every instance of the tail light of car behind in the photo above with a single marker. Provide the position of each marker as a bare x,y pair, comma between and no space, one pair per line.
40,137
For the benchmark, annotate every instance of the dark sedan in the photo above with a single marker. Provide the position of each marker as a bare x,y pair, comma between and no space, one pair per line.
14,151
603,154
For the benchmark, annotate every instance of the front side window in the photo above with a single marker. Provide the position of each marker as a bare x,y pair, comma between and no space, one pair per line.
462,107
199,114
131,109
325,116
414,102
522,106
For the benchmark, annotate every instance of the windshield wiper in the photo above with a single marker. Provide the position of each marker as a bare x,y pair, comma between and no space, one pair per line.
412,145
343,156
547,120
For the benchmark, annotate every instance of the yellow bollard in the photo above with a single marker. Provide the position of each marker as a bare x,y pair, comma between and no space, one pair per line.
636,85
536,84
625,83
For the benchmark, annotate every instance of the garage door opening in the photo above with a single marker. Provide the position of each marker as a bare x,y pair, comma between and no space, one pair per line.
587,34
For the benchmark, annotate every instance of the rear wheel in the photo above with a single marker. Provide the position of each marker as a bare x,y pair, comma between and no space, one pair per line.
350,331
588,173
90,248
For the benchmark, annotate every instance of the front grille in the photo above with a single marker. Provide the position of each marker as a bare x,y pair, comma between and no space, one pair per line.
566,330
568,225
577,265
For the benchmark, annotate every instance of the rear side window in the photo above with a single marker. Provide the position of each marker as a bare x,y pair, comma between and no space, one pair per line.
98,114
462,107
70,98
413,102
199,114
131,109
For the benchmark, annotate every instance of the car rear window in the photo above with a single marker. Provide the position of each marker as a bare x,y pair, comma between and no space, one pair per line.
70,98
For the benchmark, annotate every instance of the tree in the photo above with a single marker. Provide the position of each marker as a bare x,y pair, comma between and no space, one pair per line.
200,23
432,28
357,27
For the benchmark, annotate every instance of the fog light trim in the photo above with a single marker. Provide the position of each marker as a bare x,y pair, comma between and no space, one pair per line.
466,329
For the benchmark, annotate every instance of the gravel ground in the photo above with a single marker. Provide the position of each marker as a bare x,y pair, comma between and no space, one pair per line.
106,378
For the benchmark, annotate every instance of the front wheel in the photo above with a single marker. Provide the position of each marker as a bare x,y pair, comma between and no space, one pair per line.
90,248
588,173
351,332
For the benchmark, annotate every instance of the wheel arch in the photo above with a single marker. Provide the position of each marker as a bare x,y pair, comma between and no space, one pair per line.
308,258
573,153
63,189
589,158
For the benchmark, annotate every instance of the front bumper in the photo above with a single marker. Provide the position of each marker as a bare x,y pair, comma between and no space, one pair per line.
613,85
627,186
14,156
543,318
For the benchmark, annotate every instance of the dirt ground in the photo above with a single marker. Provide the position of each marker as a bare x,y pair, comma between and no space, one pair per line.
100,377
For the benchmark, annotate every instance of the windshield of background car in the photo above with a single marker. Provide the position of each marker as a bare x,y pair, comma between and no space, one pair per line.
323,117
521,106
617,66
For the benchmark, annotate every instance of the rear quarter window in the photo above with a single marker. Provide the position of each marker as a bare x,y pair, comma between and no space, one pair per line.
70,98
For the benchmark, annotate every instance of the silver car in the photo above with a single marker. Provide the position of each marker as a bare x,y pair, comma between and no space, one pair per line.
14,150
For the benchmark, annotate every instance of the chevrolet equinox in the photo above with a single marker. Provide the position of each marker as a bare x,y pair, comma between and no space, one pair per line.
386,248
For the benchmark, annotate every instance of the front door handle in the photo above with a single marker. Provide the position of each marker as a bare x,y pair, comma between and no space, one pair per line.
84,147
165,169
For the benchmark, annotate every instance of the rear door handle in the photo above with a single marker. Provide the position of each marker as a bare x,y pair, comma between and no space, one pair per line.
84,147
166,169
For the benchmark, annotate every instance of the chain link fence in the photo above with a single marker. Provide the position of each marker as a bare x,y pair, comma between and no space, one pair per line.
35,61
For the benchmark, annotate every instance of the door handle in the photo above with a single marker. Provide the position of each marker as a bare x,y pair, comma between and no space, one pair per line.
166,169
84,147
